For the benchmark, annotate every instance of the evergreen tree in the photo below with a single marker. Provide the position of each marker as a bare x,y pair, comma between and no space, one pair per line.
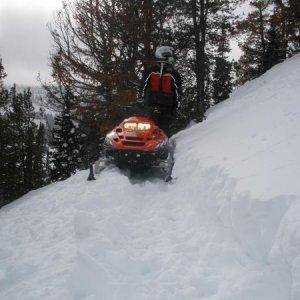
28,158
17,144
23,129
65,152
2,74
253,30
3,136
3,91
222,79
40,159
286,16
21,144
269,32
196,26
274,53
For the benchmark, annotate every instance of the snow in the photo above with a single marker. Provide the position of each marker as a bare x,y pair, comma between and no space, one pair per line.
227,228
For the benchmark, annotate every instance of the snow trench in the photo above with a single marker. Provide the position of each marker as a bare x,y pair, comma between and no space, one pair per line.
204,243
227,228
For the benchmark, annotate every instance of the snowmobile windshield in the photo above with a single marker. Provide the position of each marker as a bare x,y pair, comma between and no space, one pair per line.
137,126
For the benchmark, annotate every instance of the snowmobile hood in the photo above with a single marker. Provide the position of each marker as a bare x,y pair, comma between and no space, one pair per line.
136,133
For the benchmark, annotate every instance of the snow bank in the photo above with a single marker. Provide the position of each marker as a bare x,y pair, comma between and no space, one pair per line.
227,228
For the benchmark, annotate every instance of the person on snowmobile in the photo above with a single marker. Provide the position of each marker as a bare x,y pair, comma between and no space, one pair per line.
161,89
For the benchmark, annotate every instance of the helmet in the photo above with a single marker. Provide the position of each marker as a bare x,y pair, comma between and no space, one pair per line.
165,53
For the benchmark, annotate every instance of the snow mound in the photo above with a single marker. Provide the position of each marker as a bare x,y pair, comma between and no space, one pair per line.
227,228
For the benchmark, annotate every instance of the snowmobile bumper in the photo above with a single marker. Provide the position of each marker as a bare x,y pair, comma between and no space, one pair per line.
161,158
134,159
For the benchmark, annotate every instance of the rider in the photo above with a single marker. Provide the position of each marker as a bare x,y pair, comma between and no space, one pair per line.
161,89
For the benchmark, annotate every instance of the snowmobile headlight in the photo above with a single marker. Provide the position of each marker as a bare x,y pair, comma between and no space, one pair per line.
144,126
130,125
137,126
111,135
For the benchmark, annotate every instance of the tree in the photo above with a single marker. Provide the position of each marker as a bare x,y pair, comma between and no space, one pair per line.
101,46
274,52
197,24
18,131
64,155
222,80
286,16
3,135
39,176
100,49
2,73
252,30
22,148
269,34
3,92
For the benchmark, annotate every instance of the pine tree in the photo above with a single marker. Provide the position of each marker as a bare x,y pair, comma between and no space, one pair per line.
222,79
21,144
3,91
286,16
65,152
274,53
2,74
17,144
3,136
196,26
253,30
28,158
268,33
40,156
23,130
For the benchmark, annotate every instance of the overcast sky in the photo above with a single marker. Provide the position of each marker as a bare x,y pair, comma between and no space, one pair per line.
25,41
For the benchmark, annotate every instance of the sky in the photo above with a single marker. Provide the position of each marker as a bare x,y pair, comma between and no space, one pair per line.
25,41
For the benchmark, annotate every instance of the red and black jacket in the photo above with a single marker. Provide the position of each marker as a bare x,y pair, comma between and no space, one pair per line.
161,89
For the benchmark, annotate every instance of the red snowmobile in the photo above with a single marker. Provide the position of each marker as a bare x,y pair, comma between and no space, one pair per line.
138,144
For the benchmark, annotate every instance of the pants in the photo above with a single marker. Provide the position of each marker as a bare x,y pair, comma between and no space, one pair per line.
163,118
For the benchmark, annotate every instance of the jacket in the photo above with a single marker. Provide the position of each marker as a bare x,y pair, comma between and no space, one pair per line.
155,90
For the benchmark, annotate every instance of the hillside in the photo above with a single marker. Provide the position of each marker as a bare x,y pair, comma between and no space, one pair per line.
227,228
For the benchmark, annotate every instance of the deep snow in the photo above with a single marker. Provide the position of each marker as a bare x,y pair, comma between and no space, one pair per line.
227,228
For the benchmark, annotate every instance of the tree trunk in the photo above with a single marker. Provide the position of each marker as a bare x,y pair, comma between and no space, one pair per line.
148,14
199,31
262,40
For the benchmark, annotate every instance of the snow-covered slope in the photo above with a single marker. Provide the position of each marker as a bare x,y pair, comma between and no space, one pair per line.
227,228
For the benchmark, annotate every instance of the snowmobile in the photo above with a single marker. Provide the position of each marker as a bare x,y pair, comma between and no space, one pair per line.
137,144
